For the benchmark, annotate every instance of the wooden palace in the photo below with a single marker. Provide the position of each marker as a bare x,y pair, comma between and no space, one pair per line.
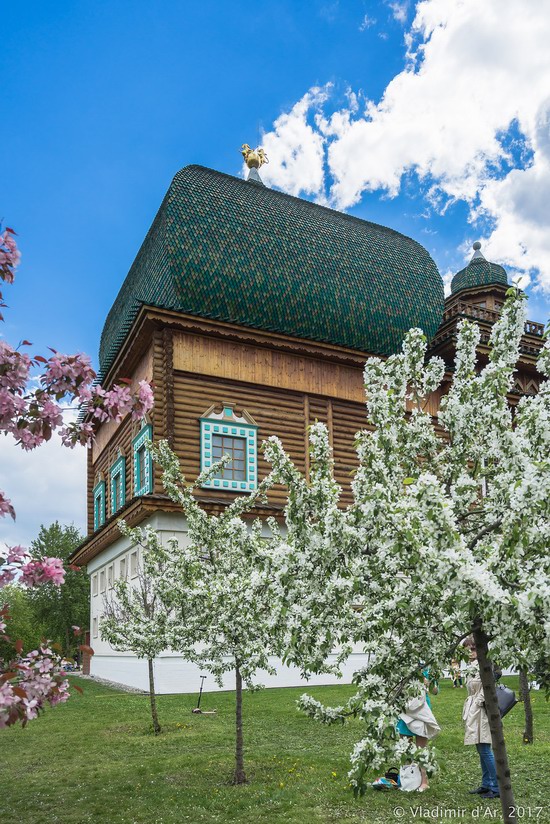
252,312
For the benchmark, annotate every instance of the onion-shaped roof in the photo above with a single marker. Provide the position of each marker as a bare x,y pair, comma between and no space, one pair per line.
479,272
236,251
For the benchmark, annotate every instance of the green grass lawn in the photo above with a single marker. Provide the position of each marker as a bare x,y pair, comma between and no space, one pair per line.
95,759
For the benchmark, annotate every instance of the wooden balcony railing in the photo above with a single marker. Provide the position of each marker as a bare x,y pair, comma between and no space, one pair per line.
470,310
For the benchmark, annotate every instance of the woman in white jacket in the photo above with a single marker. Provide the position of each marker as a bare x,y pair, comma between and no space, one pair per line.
476,727
418,721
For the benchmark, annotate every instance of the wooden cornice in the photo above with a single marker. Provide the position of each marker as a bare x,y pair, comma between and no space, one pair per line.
150,318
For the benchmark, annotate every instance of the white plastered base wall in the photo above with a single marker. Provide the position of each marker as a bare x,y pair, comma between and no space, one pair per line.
172,673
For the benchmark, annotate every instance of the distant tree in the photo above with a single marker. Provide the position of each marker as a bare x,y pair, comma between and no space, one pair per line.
24,624
60,608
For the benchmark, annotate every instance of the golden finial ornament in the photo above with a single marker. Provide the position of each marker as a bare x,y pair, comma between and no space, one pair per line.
254,158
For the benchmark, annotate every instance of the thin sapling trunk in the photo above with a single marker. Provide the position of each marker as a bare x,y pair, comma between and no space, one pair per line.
527,707
240,776
153,698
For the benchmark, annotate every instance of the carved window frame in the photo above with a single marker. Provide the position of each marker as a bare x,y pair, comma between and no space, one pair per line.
118,470
143,486
99,505
236,426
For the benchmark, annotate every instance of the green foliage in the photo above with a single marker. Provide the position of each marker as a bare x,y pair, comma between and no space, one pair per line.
24,624
60,608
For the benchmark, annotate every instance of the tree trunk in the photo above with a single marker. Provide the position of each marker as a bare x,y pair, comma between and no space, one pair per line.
528,709
153,698
240,776
495,724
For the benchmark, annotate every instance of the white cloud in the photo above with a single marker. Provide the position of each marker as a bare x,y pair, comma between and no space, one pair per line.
296,150
367,22
447,278
44,485
476,73
399,10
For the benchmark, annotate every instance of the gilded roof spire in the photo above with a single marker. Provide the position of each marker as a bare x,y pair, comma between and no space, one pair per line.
254,158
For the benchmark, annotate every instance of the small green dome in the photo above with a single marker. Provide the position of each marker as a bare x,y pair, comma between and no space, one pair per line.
479,272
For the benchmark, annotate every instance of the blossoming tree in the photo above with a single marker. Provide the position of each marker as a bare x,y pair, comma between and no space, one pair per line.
133,615
447,536
33,393
31,407
219,589
29,681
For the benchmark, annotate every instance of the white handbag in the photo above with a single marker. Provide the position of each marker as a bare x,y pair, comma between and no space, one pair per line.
410,778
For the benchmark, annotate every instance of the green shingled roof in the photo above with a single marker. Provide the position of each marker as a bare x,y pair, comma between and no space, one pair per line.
237,251
479,272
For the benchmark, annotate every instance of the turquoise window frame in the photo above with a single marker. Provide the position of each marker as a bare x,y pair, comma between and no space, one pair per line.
217,426
118,470
99,505
143,486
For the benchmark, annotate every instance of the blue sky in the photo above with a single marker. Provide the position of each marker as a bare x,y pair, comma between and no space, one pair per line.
108,100
431,118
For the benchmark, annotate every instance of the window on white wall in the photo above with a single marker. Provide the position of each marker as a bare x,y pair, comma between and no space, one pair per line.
102,581
94,584
110,571
122,568
94,627
133,564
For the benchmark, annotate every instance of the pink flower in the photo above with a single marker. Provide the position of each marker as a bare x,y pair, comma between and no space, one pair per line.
53,570
143,401
45,665
65,374
35,573
9,256
16,555
6,507
31,708
117,402
29,440
6,577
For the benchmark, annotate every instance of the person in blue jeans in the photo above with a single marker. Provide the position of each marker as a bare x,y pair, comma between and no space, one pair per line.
477,729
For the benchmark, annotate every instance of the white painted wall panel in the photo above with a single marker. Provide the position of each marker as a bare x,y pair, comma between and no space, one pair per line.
174,675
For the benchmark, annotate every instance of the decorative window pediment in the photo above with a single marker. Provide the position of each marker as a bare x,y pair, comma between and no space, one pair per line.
118,484
143,464
227,432
99,504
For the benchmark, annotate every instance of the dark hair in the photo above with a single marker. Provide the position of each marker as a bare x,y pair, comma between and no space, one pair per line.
469,642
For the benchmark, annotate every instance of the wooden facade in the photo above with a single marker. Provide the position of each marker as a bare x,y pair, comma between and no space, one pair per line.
284,384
